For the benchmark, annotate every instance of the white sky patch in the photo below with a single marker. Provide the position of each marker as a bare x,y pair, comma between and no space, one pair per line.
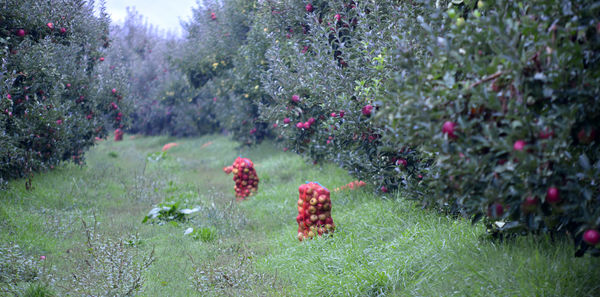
165,15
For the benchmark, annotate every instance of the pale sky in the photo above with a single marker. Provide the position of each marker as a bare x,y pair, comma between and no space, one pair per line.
162,14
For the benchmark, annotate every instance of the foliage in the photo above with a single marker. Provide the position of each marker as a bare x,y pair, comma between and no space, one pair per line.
56,93
503,98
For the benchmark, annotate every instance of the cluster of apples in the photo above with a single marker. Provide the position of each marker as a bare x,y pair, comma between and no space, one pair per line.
244,176
314,211
352,185
118,135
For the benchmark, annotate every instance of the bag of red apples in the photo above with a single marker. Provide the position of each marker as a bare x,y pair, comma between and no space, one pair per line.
314,211
119,135
244,176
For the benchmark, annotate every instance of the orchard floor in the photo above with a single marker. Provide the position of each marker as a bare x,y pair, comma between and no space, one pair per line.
383,245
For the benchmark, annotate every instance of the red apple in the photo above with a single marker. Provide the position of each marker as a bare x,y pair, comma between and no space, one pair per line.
63,30
530,203
274,125
546,133
322,198
309,7
401,162
338,17
50,25
101,59
299,125
448,128
114,91
586,136
333,115
591,237
295,98
552,196
213,16
342,113
20,32
519,145
495,210
367,110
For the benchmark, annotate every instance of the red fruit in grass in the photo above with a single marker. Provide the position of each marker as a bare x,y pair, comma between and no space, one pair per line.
213,16
384,189
367,110
448,128
309,7
552,195
342,113
50,25
68,85
311,120
286,120
299,125
114,91
591,237
63,30
295,98
20,32
101,59
9,97
274,125
519,145
401,162
338,17
59,122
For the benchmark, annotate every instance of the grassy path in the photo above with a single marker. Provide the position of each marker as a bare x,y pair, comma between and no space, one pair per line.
384,246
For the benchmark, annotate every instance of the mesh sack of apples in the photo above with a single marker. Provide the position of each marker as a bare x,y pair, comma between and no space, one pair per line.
119,135
314,211
244,176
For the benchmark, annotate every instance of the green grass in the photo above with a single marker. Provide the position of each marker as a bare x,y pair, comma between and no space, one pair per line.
383,245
